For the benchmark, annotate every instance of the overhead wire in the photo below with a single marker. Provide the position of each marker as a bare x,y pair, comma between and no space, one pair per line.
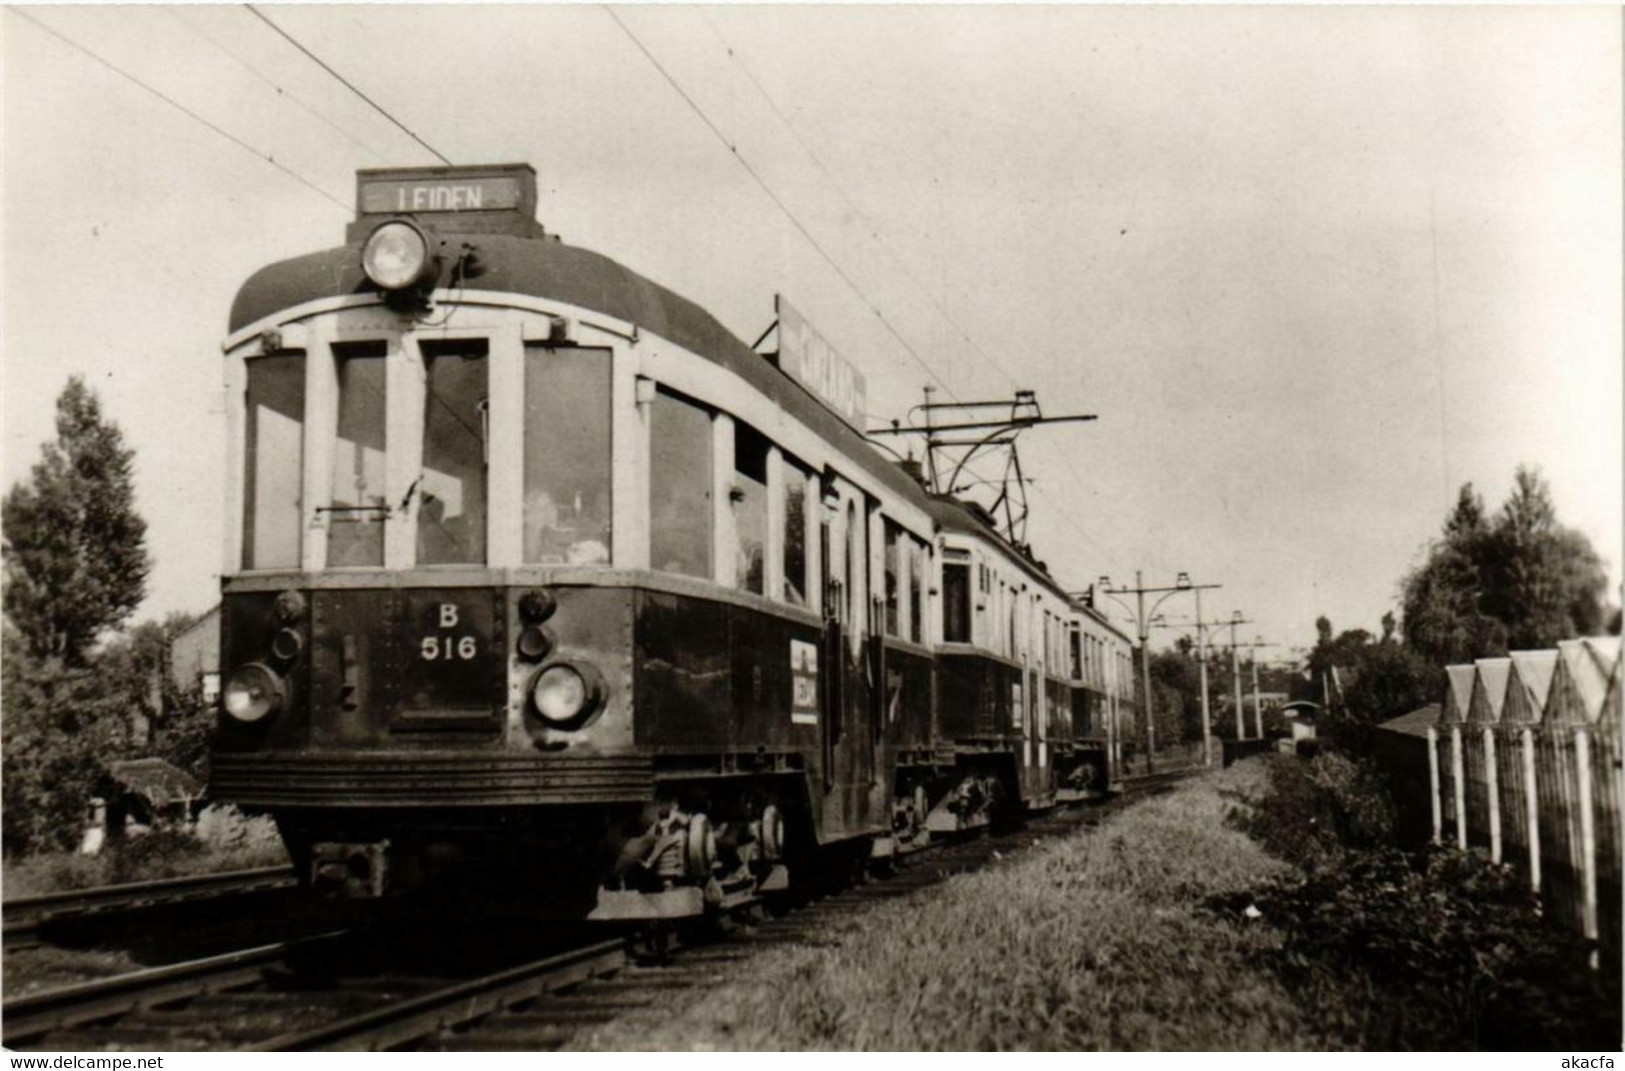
183,109
351,86
774,197
874,233
268,80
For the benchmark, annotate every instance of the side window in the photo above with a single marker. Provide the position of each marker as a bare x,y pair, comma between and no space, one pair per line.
750,507
679,486
855,618
916,590
567,456
1015,605
894,546
355,519
1077,653
794,480
956,602
451,487
273,462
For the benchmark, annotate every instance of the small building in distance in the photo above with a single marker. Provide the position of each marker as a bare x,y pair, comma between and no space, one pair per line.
138,795
194,656
1401,749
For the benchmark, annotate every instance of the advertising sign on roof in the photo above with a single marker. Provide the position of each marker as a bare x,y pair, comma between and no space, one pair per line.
805,357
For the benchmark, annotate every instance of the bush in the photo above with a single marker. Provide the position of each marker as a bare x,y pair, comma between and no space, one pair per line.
1437,950
1440,950
52,872
165,852
240,840
223,839
1317,809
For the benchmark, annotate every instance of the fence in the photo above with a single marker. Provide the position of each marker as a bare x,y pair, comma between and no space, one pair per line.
1524,763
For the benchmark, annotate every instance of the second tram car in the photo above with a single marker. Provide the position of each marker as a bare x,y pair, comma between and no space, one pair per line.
540,581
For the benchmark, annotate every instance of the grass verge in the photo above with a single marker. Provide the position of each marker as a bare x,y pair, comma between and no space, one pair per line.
223,839
1094,941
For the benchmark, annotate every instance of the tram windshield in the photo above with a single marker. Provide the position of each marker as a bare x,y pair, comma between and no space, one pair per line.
356,516
567,456
451,489
273,461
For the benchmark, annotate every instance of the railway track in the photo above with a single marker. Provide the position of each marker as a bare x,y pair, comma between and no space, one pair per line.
255,1000
28,920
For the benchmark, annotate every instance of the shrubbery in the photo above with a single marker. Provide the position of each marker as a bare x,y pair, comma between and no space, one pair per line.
1316,811
223,839
1437,950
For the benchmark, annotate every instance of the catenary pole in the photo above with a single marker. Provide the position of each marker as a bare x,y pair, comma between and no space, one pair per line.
1201,663
1258,701
1235,670
1143,625
1145,671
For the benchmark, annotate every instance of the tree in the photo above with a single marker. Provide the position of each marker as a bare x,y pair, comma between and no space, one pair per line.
1519,581
179,719
76,560
61,725
1176,680
1442,598
1378,679
1544,581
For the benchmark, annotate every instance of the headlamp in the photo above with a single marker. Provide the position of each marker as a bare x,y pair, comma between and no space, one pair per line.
564,694
396,255
253,692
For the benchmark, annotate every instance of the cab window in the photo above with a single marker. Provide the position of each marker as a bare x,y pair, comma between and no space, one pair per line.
451,487
360,504
274,461
567,456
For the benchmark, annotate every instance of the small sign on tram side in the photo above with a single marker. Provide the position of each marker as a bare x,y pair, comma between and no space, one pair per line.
804,683
807,358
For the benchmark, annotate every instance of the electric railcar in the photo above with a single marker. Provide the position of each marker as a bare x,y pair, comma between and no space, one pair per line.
540,581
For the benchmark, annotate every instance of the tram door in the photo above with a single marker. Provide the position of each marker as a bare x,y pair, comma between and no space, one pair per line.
831,656
864,624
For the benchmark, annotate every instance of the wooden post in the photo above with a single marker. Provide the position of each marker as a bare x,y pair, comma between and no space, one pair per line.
1493,786
1458,769
1433,784
1531,798
1588,833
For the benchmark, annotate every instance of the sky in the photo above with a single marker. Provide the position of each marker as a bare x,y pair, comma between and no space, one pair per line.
1313,268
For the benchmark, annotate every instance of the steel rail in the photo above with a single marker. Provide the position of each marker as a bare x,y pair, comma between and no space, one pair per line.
24,915
419,1017
423,1017
68,1006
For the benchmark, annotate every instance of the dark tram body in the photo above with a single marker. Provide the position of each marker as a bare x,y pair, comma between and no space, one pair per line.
541,581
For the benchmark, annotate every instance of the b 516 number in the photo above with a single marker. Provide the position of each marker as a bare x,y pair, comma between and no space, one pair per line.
447,648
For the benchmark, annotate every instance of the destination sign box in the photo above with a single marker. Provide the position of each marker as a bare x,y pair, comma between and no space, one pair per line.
805,357
470,194
467,199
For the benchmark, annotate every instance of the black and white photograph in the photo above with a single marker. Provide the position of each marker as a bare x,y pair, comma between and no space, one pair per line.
570,528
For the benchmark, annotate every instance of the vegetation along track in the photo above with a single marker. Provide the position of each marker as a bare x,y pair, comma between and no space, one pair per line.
274,997
32,919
